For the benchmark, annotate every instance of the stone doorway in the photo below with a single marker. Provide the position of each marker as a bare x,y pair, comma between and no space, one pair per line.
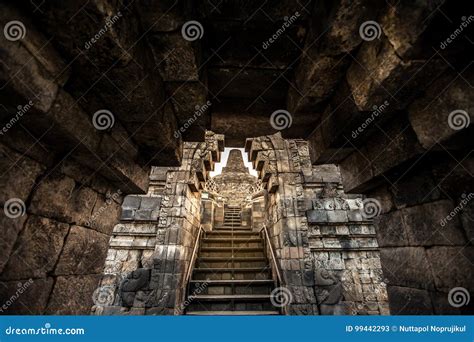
318,243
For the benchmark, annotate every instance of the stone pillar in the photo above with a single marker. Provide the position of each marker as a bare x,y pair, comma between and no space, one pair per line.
280,164
155,285
312,238
348,273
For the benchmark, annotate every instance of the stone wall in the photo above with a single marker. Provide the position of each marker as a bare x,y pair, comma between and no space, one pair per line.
344,247
327,251
150,251
54,244
425,234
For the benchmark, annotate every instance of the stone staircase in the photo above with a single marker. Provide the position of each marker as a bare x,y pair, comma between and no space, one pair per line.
232,275
232,217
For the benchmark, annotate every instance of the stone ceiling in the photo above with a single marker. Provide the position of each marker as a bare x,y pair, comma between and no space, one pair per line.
248,60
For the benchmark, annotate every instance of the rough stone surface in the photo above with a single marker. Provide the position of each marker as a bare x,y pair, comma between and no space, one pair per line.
83,253
406,273
72,295
25,297
409,301
37,249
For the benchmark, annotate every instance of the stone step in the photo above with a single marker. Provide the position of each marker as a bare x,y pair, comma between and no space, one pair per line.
234,239
236,229
237,243
230,306
231,249
235,298
235,282
226,255
228,252
226,233
233,313
231,273
230,269
231,287
232,262
231,239
243,259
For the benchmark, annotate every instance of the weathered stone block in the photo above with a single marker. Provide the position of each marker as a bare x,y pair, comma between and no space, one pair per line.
337,216
10,231
131,202
58,187
406,273
452,267
25,297
18,174
37,249
426,225
83,253
391,229
73,295
317,216
430,115
409,301
175,57
380,71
